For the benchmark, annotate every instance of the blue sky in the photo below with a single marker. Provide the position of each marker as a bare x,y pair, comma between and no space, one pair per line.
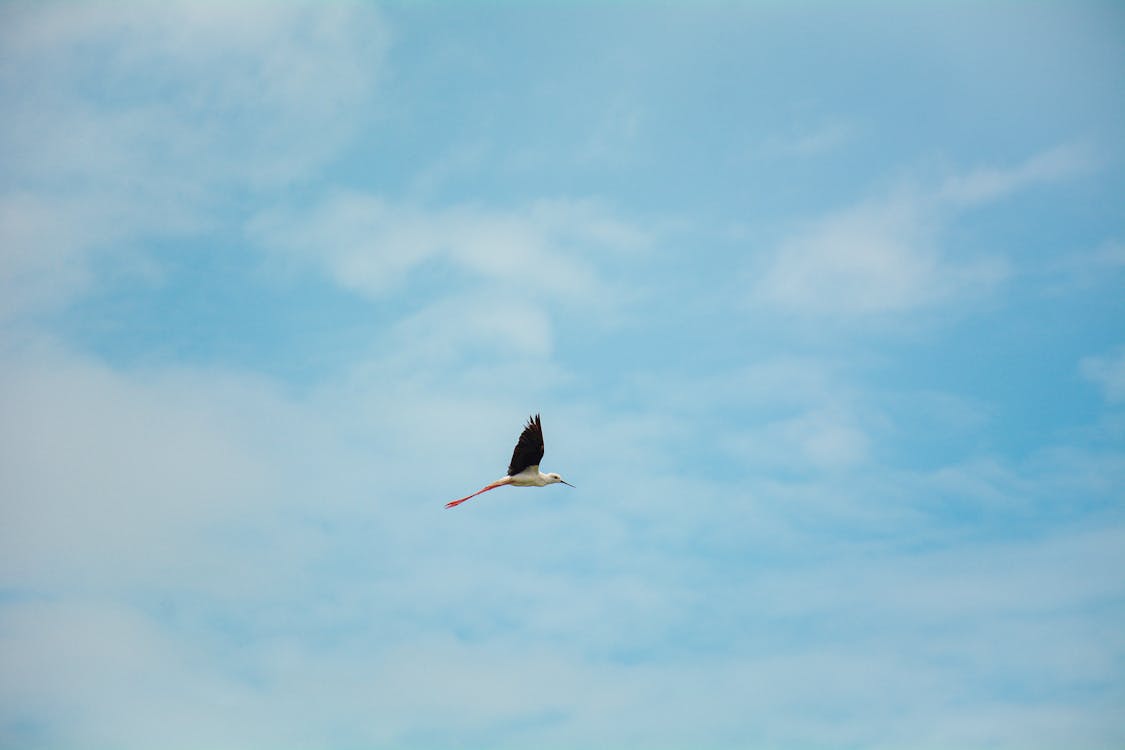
822,308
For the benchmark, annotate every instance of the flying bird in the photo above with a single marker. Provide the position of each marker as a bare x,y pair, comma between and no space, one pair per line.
523,471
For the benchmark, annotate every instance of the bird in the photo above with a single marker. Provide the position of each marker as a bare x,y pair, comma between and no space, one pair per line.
523,470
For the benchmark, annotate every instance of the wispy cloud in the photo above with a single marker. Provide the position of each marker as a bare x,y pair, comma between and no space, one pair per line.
1077,271
878,257
572,623
887,255
1108,372
475,323
373,246
564,624
122,93
981,186
830,136
123,121
815,440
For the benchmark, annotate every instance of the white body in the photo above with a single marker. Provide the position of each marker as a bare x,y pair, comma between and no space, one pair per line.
532,477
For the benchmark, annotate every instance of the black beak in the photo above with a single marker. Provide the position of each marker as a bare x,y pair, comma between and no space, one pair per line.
568,484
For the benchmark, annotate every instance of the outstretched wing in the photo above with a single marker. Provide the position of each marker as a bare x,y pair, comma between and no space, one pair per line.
529,449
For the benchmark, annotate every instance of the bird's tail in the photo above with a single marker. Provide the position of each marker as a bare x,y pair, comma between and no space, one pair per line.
494,485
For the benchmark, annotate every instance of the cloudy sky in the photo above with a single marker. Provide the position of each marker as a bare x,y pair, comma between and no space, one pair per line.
822,309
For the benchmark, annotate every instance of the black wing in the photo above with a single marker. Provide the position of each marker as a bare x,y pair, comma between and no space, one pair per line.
529,449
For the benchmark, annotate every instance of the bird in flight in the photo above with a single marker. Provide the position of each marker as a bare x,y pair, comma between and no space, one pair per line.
523,471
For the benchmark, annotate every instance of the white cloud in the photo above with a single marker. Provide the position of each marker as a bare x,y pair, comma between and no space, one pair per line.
484,286
612,134
361,610
123,121
1108,372
876,258
474,324
866,260
886,256
145,95
41,259
800,415
1077,271
811,441
149,461
365,243
828,137
981,186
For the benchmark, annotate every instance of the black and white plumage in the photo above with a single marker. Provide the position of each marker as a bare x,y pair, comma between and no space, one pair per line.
529,449
523,470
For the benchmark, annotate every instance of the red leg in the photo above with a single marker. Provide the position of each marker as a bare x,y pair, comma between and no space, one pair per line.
492,486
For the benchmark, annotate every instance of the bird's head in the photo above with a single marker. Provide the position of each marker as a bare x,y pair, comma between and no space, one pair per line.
555,479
